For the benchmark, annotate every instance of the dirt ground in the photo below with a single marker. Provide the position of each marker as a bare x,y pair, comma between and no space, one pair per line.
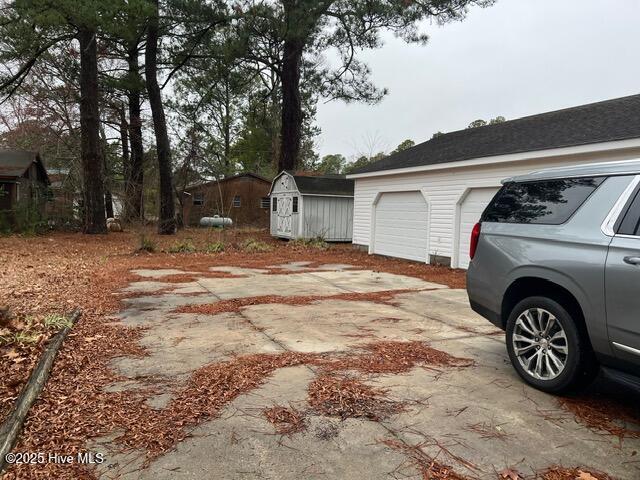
281,360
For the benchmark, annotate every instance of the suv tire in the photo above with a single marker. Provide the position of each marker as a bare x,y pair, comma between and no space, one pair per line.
547,348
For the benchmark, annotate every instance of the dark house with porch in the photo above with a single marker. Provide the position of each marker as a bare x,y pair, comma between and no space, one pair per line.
244,198
24,183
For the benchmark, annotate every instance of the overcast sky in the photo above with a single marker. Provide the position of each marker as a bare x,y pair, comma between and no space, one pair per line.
517,58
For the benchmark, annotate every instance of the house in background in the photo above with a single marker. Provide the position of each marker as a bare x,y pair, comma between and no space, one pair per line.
422,203
312,207
65,198
244,198
24,183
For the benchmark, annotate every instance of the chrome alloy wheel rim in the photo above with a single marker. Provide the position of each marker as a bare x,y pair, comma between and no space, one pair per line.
540,344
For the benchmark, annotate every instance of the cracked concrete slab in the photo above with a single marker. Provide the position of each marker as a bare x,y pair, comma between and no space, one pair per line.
151,287
159,273
304,266
335,266
241,444
482,415
181,343
335,325
488,417
312,283
292,266
447,306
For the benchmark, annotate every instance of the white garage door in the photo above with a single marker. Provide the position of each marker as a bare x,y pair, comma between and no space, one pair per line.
471,209
400,228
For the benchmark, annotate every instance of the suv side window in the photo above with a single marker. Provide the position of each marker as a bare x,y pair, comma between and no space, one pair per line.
631,223
549,202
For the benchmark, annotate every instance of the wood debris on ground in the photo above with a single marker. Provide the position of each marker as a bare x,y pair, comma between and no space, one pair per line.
616,416
59,272
430,468
237,304
395,357
285,420
347,397
564,473
76,407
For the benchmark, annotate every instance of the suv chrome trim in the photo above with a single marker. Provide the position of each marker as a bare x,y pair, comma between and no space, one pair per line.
610,222
626,348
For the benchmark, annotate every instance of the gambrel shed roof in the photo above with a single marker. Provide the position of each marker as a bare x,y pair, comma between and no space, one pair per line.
336,185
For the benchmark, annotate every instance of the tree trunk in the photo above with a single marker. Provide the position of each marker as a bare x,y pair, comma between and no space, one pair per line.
126,163
108,198
166,220
291,128
134,198
92,172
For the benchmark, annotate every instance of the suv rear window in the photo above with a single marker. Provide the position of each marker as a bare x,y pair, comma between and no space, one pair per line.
631,223
549,202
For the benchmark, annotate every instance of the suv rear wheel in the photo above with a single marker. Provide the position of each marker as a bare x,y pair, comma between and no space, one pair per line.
546,347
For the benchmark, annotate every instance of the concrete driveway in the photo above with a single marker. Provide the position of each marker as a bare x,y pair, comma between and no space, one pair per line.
477,419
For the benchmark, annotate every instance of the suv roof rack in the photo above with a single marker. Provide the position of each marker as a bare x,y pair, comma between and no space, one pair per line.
601,169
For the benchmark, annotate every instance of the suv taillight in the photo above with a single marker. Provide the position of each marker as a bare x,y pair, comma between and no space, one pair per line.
475,236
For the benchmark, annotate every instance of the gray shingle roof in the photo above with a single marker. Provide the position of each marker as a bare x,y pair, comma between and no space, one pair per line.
14,163
226,179
324,185
617,119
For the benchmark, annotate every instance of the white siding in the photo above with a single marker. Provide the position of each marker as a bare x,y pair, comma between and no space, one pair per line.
471,209
444,189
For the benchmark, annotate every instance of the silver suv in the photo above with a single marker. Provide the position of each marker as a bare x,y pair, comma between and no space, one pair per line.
556,264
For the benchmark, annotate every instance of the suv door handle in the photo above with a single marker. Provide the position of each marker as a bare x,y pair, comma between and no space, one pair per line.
632,260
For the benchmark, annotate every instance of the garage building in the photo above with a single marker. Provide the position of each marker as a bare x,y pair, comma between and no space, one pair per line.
421,203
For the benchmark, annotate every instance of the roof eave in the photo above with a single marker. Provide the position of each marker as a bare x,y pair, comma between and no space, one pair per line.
511,157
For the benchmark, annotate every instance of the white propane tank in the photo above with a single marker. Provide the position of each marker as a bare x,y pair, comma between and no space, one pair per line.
216,221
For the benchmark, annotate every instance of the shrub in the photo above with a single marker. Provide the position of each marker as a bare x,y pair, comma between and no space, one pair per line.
56,321
214,247
25,218
26,337
316,242
146,244
255,246
185,246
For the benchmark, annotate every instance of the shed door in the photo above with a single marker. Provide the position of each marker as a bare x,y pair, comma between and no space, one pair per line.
471,209
400,228
284,215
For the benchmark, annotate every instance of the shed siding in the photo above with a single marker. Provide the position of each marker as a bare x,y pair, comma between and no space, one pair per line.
445,187
328,217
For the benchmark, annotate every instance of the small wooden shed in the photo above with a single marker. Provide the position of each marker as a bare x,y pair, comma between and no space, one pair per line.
24,183
305,207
